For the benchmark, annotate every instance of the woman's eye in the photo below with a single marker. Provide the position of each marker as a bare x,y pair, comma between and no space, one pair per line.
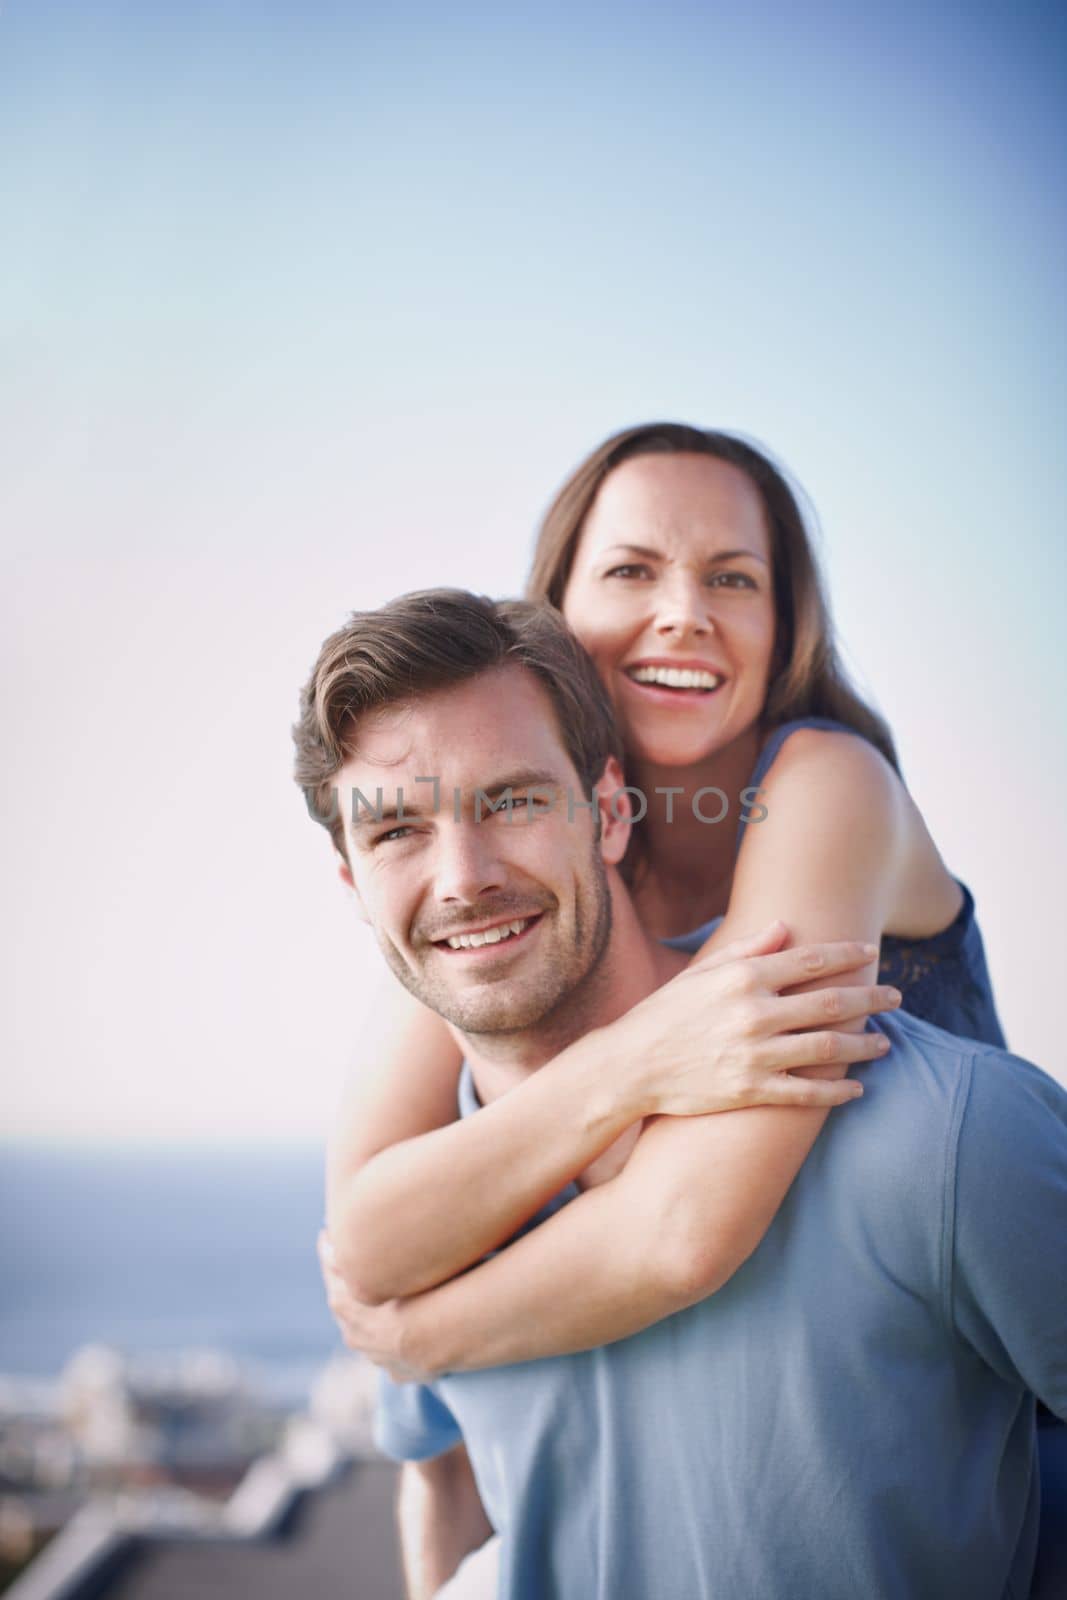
629,569
731,580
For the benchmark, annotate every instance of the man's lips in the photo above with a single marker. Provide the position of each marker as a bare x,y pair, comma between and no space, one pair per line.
503,933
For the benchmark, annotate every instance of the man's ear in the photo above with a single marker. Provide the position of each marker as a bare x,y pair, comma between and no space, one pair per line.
344,872
615,813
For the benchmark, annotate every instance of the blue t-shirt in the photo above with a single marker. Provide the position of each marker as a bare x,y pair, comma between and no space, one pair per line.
851,1415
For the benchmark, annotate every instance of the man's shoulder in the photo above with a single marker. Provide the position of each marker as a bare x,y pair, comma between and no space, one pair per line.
1015,1118
935,1090
924,1077
995,1080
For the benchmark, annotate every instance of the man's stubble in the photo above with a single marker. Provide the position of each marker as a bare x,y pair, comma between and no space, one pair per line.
558,1002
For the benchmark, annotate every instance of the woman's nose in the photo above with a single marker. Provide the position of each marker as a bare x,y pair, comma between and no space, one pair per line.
684,606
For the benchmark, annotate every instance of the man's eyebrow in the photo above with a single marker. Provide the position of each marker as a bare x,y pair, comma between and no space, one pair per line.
522,778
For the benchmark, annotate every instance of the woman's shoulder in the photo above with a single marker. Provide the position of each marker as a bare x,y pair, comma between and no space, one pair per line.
832,810
806,743
828,761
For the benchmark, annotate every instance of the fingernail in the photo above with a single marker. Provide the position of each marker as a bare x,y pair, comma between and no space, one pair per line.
883,1045
857,1093
895,997
870,951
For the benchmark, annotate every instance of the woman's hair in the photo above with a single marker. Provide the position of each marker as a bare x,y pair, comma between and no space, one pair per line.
435,639
806,678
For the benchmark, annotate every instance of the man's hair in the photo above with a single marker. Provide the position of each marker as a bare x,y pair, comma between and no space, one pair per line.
435,639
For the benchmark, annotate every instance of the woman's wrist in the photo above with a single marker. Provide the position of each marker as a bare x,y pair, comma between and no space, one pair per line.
610,1074
420,1342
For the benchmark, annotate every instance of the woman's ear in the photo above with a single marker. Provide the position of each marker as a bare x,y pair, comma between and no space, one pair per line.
344,872
615,813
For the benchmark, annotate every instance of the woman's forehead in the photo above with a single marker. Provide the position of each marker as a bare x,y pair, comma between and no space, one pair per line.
673,496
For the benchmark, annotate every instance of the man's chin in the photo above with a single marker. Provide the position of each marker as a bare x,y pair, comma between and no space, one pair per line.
495,1012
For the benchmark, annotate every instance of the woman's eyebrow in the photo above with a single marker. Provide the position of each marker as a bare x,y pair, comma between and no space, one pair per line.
637,549
657,555
732,555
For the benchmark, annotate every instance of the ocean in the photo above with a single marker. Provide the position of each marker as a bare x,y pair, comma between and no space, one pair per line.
160,1251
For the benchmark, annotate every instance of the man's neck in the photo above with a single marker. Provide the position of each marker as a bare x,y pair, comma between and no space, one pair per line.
633,965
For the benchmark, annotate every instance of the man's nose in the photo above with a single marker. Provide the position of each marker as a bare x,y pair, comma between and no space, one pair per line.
684,607
468,865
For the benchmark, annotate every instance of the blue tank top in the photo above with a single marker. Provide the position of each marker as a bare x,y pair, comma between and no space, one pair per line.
944,978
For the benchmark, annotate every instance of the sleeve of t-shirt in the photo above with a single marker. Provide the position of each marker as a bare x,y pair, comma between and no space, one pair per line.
1009,1260
412,1422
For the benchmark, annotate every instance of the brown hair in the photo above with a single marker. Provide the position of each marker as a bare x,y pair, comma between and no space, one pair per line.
807,677
433,639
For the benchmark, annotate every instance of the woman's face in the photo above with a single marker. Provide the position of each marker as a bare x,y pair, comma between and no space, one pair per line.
672,595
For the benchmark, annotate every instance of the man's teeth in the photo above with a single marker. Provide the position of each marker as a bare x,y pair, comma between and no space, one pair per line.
471,941
675,677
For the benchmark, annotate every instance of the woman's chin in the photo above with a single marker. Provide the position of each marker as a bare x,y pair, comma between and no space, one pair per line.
672,748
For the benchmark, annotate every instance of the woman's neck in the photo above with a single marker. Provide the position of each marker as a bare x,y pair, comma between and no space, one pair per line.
687,856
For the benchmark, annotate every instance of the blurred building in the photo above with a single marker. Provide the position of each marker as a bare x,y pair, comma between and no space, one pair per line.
173,1482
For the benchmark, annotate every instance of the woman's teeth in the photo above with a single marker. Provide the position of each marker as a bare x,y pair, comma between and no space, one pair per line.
675,677
471,941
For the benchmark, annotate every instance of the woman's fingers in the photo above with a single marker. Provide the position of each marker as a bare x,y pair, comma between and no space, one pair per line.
788,968
787,1091
338,1296
827,1007
761,965
763,943
782,1054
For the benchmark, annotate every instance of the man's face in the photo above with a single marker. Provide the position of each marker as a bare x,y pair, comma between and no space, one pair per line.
532,879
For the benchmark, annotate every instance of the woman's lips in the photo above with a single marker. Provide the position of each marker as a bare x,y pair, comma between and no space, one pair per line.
661,694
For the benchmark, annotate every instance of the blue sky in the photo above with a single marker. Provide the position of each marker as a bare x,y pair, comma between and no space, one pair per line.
303,306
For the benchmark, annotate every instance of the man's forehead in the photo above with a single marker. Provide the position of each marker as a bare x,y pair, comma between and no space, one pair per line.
503,718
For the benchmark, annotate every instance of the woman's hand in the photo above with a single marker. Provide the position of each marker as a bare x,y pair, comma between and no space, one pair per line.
378,1332
725,1033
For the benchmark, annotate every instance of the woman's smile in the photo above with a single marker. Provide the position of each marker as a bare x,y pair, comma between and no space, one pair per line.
671,593
669,679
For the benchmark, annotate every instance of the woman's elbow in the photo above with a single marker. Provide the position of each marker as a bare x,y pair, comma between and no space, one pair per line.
365,1280
361,1265
694,1259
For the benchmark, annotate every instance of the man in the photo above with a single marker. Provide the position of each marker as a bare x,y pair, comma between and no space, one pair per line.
852,1413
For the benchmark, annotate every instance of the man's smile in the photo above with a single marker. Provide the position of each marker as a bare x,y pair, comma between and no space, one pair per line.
489,938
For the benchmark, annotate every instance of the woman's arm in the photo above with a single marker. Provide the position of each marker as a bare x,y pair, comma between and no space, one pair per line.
697,1195
414,1196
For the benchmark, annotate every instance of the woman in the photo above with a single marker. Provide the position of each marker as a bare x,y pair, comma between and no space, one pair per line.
680,560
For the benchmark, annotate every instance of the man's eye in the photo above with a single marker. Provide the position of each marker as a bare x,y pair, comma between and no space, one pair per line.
399,832
530,803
